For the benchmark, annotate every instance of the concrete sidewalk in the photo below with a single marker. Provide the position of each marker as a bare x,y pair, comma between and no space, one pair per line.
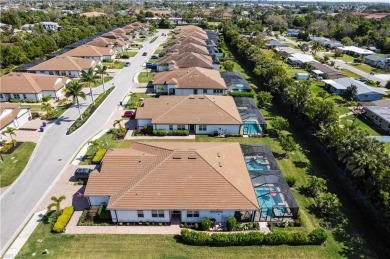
72,228
19,242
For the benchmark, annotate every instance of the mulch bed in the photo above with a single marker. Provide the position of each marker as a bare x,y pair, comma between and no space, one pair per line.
11,150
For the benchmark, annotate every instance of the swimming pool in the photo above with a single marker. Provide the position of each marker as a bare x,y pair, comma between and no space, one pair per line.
268,196
257,165
252,127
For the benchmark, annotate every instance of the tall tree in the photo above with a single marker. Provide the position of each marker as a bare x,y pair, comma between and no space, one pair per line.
288,145
278,124
264,99
351,92
316,186
88,79
316,47
102,71
47,107
75,90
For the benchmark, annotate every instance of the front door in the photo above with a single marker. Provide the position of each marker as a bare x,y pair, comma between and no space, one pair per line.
192,127
195,91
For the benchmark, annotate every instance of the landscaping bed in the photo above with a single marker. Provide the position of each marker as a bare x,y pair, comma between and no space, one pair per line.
154,39
134,102
95,217
89,111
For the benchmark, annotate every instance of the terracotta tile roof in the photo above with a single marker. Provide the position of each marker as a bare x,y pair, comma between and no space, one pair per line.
175,175
191,78
190,39
129,27
104,42
191,109
188,47
8,117
187,59
187,28
64,63
89,51
116,35
93,14
26,83
195,34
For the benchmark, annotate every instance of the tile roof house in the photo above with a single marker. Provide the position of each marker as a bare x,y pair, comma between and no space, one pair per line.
116,35
201,114
91,52
12,115
64,66
185,60
188,28
186,81
187,47
30,86
190,39
365,92
108,43
155,181
325,71
196,34
377,61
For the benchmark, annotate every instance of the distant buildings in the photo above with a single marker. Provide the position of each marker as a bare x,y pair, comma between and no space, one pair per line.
379,113
377,61
355,51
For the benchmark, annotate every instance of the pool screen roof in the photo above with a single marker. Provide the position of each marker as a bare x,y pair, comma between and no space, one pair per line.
248,109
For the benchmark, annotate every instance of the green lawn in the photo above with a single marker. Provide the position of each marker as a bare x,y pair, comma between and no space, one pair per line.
145,77
129,53
349,73
115,64
363,67
33,107
387,146
139,40
134,100
362,124
152,60
136,45
292,70
346,58
15,163
158,51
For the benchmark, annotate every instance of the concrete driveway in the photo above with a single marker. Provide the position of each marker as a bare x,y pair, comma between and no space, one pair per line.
55,150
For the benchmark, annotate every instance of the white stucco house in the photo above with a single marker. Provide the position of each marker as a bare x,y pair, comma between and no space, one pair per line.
12,115
29,86
186,81
166,181
199,114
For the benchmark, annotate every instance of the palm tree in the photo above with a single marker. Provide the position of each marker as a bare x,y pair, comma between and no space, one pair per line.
75,90
46,107
316,47
102,71
95,144
11,132
118,122
88,78
56,202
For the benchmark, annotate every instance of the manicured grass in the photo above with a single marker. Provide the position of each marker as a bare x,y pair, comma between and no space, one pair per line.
349,73
136,45
129,53
291,71
362,124
152,60
346,58
363,67
134,101
158,51
115,65
14,163
154,39
139,40
151,246
145,77
387,146
33,107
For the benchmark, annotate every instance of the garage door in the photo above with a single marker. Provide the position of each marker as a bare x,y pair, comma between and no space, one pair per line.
23,119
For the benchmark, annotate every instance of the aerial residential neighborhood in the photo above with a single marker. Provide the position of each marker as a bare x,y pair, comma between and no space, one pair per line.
201,129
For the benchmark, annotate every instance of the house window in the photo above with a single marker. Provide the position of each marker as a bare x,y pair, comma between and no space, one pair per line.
205,91
16,96
217,91
193,213
1,96
215,211
181,127
24,96
170,127
140,213
157,213
202,127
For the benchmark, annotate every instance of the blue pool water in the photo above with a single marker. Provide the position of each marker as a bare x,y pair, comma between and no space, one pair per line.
251,127
265,199
257,165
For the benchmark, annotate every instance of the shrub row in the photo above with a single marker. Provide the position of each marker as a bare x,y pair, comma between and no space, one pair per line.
180,133
242,94
233,135
99,156
147,223
63,220
153,40
23,101
89,111
160,132
316,237
8,146
103,214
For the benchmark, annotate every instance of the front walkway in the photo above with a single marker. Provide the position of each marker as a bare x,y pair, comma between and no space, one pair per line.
72,228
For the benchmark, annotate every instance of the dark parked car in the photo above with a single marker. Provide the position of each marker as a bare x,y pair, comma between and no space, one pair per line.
127,64
82,174
130,114
154,56
125,56
151,65
145,53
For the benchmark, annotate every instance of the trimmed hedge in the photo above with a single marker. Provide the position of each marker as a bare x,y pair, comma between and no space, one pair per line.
316,237
233,135
206,223
63,220
242,94
231,223
180,133
99,156
160,132
89,111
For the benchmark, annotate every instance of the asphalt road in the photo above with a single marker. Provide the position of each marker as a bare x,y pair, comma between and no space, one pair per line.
342,64
56,149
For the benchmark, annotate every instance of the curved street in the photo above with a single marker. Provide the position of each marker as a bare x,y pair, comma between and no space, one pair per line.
56,149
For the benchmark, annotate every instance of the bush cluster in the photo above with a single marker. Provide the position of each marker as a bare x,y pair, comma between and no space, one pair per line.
231,223
118,133
103,214
242,94
89,111
206,223
23,101
160,132
99,156
316,237
180,133
63,220
233,135
46,98
8,146
291,180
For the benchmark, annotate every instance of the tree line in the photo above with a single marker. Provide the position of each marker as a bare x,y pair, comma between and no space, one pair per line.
363,159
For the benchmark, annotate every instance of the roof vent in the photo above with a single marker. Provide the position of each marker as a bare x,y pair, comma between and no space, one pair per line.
176,157
220,164
191,157
218,154
191,97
